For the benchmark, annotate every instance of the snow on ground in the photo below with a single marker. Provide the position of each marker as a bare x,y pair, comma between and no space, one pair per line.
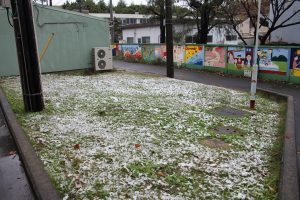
131,136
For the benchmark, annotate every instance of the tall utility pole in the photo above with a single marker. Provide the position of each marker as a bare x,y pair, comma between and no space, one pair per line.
112,24
27,55
255,66
169,39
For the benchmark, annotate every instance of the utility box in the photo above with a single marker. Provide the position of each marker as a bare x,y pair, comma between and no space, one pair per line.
5,3
102,58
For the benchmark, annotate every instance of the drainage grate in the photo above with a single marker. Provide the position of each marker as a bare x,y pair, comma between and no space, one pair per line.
231,112
225,130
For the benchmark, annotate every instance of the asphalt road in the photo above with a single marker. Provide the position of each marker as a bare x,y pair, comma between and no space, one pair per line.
14,184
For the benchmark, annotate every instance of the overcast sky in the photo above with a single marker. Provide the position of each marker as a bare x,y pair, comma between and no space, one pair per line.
60,2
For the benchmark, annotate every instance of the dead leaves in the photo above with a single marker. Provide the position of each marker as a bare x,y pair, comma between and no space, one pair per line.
161,174
76,146
137,146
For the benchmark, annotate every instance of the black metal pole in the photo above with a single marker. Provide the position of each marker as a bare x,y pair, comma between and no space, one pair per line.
80,6
50,2
27,55
169,39
112,24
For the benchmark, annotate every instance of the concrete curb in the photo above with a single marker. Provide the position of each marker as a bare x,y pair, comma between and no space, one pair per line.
288,186
38,177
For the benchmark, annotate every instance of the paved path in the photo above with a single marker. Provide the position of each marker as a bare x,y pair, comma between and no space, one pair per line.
224,81
13,181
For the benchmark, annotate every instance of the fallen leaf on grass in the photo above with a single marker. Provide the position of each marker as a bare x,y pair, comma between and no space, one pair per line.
76,146
161,174
137,146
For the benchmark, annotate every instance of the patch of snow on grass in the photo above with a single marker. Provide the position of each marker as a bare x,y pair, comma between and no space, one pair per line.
130,136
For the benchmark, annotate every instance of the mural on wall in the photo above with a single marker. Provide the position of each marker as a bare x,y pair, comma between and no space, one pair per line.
161,52
215,57
149,53
194,55
131,52
178,54
239,58
295,62
115,49
273,61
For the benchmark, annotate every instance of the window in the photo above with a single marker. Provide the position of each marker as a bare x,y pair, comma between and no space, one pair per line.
231,37
146,39
188,39
143,21
130,40
209,38
130,21
139,40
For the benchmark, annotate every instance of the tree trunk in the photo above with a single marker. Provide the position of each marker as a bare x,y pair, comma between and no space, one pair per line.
204,25
198,21
162,30
162,26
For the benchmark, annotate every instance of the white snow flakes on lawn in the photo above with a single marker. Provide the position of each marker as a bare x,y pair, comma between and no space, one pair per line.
131,136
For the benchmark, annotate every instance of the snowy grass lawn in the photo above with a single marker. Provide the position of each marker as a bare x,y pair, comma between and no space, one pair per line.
124,135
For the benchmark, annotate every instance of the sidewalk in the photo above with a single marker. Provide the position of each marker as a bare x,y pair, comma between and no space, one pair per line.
236,83
14,184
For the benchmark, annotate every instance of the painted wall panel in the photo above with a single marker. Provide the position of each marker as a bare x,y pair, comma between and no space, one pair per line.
178,54
149,53
215,57
239,58
194,55
295,62
131,52
273,61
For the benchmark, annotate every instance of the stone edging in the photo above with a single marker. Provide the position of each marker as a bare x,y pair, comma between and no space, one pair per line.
288,186
41,184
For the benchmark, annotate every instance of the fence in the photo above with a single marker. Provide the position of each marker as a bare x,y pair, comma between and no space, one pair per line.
276,62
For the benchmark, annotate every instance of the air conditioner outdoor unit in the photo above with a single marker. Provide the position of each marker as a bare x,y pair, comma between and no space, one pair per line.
102,58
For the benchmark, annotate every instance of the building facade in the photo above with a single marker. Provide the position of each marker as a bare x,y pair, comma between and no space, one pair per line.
150,33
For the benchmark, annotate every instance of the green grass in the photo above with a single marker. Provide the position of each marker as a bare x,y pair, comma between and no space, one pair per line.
139,113
275,152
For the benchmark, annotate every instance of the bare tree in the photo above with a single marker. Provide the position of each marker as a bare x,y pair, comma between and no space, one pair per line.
157,7
282,14
232,18
206,16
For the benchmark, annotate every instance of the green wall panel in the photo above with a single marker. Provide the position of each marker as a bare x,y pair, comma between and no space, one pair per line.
75,34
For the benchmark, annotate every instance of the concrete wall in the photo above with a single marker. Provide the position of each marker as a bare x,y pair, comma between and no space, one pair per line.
280,63
75,35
